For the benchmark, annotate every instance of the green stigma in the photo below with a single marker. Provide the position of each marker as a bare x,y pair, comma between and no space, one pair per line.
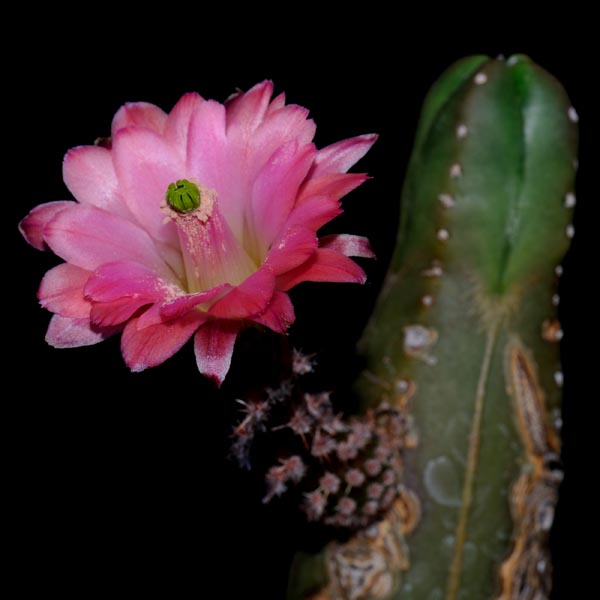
183,196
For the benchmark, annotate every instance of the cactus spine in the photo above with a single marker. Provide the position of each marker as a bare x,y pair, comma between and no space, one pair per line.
467,320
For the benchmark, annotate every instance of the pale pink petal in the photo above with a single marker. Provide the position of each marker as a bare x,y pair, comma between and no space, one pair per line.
213,345
292,249
281,126
145,165
348,245
61,291
178,122
275,189
64,332
148,347
246,111
339,157
324,265
32,226
89,174
120,279
139,114
88,237
279,315
184,304
247,299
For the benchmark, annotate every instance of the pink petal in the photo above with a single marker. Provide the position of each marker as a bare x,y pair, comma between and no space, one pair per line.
281,126
32,226
246,111
139,114
116,311
292,249
61,291
275,190
120,279
184,304
89,174
314,212
145,165
64,332
279,315
178,122
348,245
324,265
213,346
277,103
249,298
339,157
333,185
88,237
148,347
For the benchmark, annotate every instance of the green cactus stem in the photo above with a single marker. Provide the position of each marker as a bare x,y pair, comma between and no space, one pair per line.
465,333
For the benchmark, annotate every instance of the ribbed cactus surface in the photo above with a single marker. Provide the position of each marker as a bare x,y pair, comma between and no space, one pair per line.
465,336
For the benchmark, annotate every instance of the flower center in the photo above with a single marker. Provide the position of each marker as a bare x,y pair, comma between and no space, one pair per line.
183,196
211,253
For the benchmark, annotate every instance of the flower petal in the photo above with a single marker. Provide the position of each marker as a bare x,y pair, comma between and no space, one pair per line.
139,114
314,212
348,245
145,165
89,174
324,265
88,237
178,122
246,111
339,157
148,347
279,315
61,291
64,332
292,249
32,226
213,345
116,311
184,304
249,298
332,185
275,190
121,279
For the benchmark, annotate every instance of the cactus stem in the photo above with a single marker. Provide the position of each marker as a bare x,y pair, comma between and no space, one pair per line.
455,170
471,467
480,78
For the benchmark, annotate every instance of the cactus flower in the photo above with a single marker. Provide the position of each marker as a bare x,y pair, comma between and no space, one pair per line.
194,223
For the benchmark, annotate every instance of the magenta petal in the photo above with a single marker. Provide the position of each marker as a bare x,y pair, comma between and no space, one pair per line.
184,304
324,265
148,347
333,185
213,346
115,312
61,291
339,157
32,226
116,280
64,332
275,190
89,174
292,249
139,114
348,245
146,164
314,212
88,237
249,298
279,315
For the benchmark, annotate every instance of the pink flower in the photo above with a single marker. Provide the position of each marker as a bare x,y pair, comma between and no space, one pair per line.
195,222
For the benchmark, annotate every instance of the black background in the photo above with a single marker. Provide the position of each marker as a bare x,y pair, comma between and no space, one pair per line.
118,483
